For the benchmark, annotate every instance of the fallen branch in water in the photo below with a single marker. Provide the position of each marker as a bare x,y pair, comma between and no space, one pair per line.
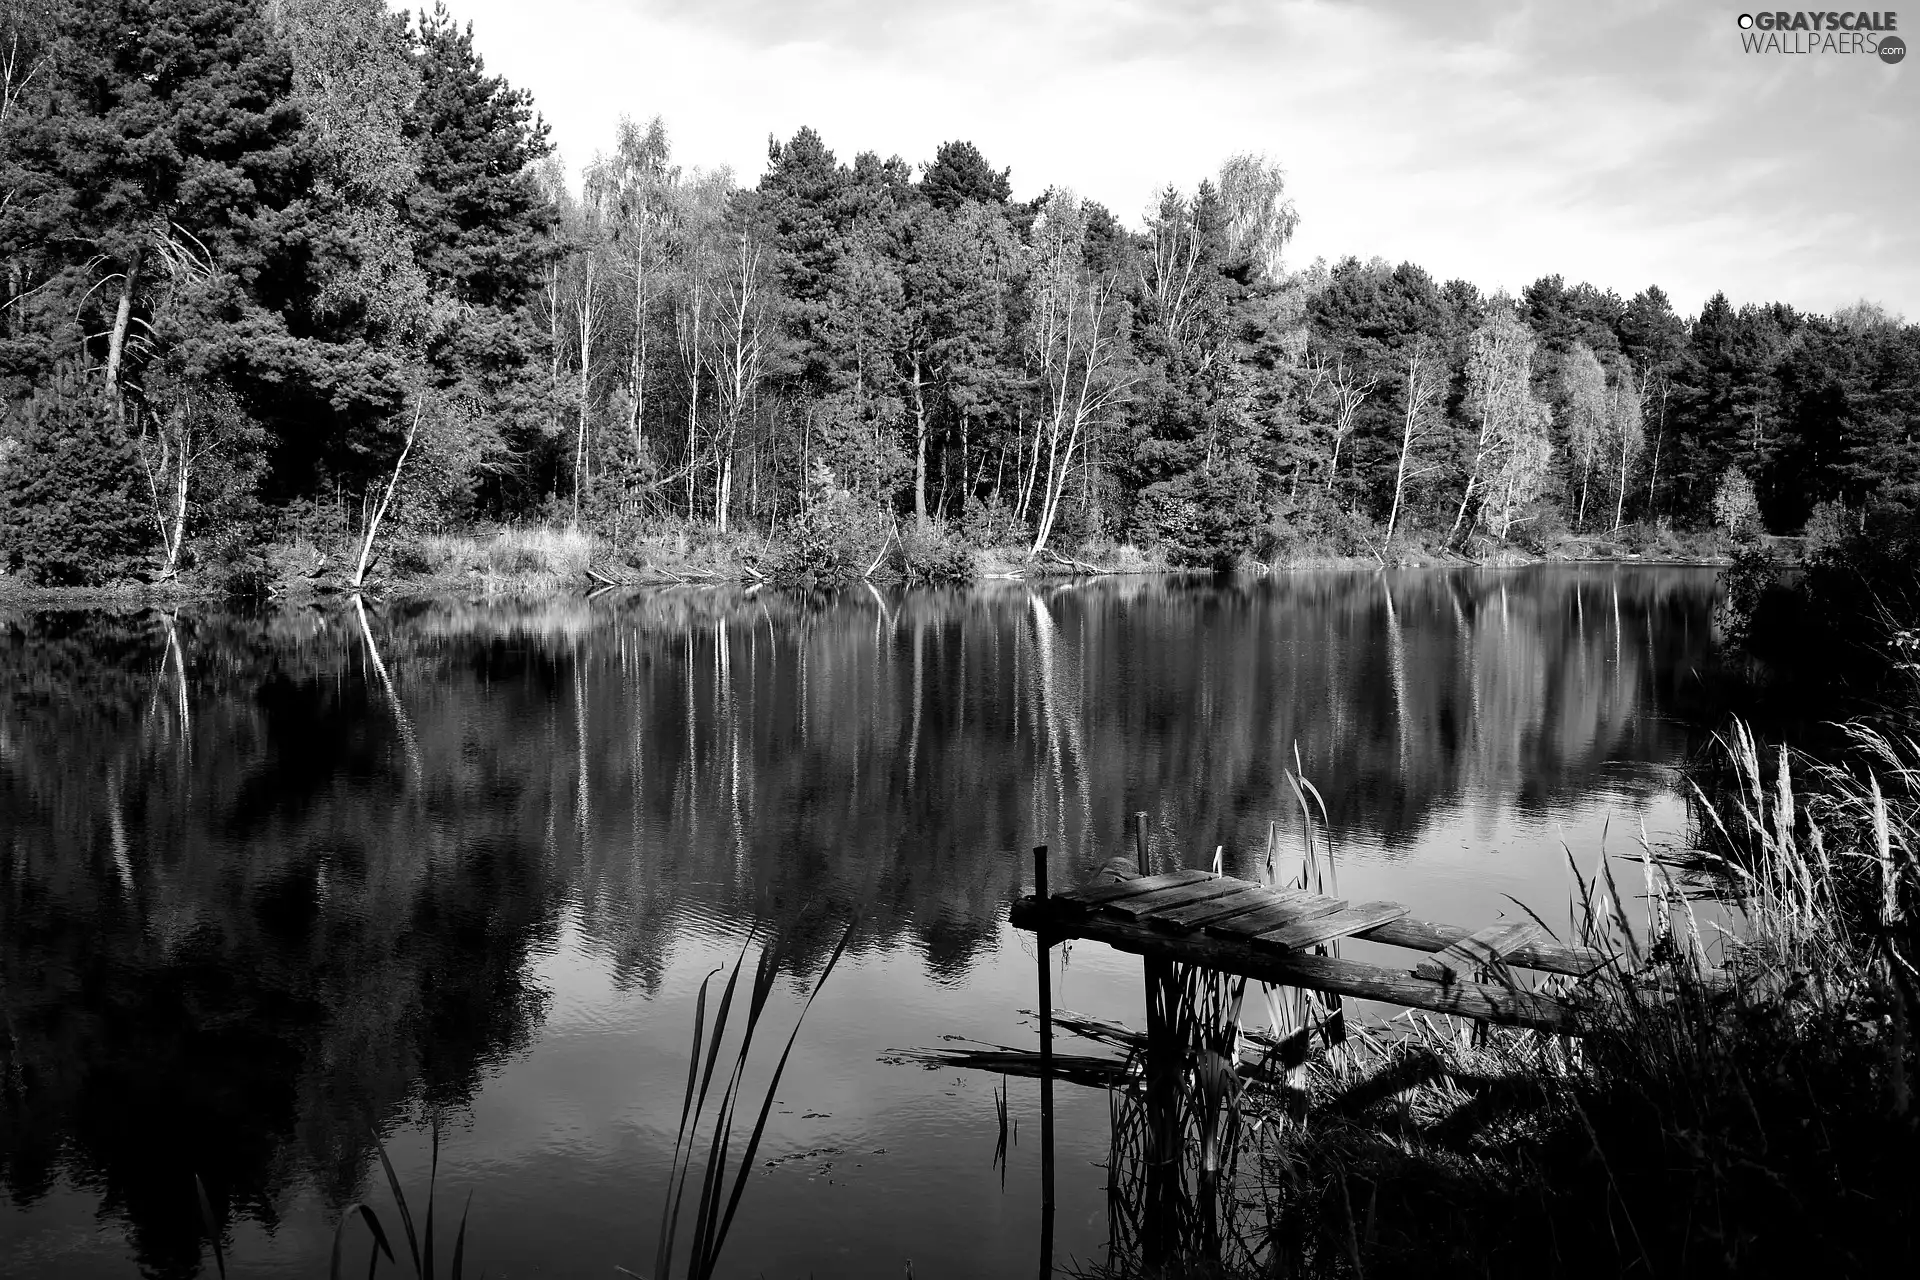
1083,1069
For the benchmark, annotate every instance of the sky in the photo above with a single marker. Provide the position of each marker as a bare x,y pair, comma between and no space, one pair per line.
1623,142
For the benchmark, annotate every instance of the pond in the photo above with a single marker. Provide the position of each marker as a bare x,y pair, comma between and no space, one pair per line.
277,886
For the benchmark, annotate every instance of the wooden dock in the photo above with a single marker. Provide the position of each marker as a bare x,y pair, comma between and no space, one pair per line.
1268,935
1184,921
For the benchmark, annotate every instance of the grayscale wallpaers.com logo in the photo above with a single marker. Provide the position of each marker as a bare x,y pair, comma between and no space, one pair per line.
1830,32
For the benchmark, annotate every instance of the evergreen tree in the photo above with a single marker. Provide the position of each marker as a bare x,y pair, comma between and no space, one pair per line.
161,145
73,502
959,173
482,233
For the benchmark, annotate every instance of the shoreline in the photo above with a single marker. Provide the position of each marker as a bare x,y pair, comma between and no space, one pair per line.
589,582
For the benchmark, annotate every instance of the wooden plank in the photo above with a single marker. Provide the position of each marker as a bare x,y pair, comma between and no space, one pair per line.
1481,950
1546,955
1097,894
1178,896
1293,905
1249,897
1340,924
1488,1001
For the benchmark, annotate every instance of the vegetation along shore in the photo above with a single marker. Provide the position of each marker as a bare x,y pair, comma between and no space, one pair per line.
320,299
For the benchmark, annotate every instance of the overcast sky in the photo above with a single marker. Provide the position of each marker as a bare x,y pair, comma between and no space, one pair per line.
1626,143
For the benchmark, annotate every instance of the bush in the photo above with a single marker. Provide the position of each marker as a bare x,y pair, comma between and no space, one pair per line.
1829,530
834,541
932,552
1313,526
1735,506
73,500
1540,530
984,525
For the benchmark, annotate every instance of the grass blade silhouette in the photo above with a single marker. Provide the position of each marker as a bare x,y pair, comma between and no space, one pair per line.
692,1107
400,1201
460,1241
380,1244
766,1106
433,1175
213,1231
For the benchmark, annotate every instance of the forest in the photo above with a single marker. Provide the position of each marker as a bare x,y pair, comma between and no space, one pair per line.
288,278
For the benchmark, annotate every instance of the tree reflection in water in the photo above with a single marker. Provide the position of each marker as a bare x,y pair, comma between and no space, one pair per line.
269,881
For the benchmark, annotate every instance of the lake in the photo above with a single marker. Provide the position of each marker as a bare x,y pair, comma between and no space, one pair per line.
275,884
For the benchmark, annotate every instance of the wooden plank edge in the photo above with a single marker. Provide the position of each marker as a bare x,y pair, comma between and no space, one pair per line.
1547,957
1316,930
1345,977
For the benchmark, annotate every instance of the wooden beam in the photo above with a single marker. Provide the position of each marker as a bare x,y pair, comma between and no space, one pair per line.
1483,950
1338,924
1507,1006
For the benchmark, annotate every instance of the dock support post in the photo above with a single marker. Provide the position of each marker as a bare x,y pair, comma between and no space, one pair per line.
1046,1067
1158,1225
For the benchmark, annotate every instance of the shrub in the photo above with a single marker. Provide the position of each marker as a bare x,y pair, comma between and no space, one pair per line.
834,541
1735,506
932,552
73,500
1829,530
984,525
1540,529
1313,525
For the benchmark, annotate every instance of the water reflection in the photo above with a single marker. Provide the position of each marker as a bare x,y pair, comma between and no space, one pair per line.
266,882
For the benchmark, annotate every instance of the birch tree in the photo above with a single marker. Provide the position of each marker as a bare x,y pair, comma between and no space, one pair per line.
1260,218
635,188
743,335
1507,462
1588,416
1348,392
697,249
1170,270
1423,374
1077,348
1627,431
586,295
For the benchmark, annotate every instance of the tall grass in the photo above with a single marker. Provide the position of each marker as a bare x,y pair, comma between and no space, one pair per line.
530,558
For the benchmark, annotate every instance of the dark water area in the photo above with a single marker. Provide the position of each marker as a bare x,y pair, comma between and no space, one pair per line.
272,885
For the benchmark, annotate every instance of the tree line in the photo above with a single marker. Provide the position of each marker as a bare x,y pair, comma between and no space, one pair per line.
285,269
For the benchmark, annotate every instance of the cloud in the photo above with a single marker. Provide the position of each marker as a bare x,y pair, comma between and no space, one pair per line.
1624,143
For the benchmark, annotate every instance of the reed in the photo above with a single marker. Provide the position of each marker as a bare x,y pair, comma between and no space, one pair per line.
420,1242
716,1205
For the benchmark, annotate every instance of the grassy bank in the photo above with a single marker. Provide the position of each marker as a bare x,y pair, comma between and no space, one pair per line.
558,559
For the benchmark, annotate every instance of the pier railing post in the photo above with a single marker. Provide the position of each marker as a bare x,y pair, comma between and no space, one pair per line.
1045,940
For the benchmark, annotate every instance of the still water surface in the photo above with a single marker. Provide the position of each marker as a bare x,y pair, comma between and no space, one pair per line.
270,883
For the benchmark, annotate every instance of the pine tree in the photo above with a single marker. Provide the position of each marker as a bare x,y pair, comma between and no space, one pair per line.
72,496
483,233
